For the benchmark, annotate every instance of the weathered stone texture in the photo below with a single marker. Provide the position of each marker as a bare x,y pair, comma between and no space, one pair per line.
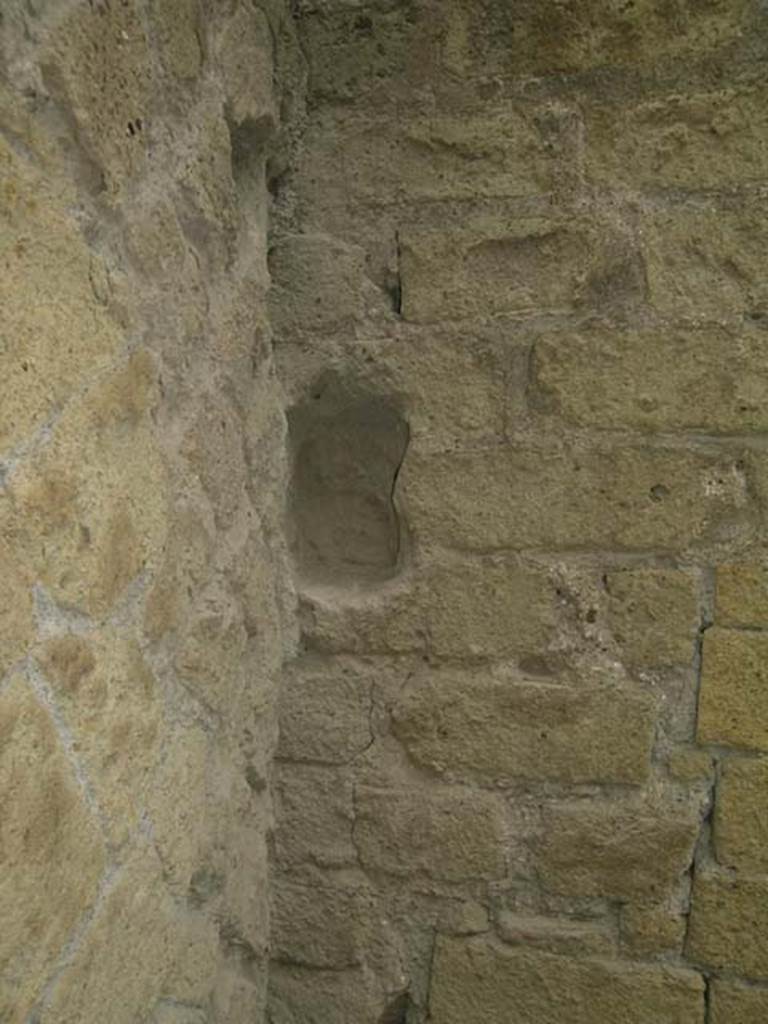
475,980
624,498
493,731
733,703
728,926
133,759
741,815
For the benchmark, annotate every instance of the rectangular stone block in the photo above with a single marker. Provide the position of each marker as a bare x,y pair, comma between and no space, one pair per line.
553,935
741,595
491,731
729,924
708,262
706,140
625,498
529,265
449,833
653,615
313,817
466,608
318,926
378,161
733,701
478,981
324,711
711,380
617,850
741,815
734,1003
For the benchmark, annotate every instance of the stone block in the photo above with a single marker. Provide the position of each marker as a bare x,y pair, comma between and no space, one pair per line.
318,926
470,608
454,834
52,851
741,815
734,1003
655,929
320,286
306,995
741,595
559,936
109,700
46,291
621,851
214,447
99,58
712,380
733,701
171,956
699,140
624,498
377,162
476,981
471,726
94,498
707,263
653,615
178,31
728,927
456,385
532,265
325,710
17,625
314,815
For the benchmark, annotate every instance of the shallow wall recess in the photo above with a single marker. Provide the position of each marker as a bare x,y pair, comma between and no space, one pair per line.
348,446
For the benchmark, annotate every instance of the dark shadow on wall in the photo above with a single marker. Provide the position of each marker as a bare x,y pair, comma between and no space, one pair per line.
347,446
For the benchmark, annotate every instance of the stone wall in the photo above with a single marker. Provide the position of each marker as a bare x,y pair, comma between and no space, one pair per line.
391,372
520,306
144,604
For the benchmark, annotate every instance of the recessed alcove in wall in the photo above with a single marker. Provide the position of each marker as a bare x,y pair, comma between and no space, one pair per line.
347,445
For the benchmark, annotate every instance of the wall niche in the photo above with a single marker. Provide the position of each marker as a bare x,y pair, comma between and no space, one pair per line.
347,445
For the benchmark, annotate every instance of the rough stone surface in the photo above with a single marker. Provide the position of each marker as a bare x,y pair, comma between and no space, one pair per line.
476,980
733,704
490,731
133,832
383,608
737,1004
741,815
728,924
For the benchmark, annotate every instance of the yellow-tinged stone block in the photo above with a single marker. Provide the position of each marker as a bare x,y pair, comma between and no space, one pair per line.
110,702
732,1002
51,851
622,851
741,815
455,834
88,513
698,140
478,981
741,595
472,726
733,702
17,624
728,927
172,955
707,263
56,333
653,615
709,379
623,497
